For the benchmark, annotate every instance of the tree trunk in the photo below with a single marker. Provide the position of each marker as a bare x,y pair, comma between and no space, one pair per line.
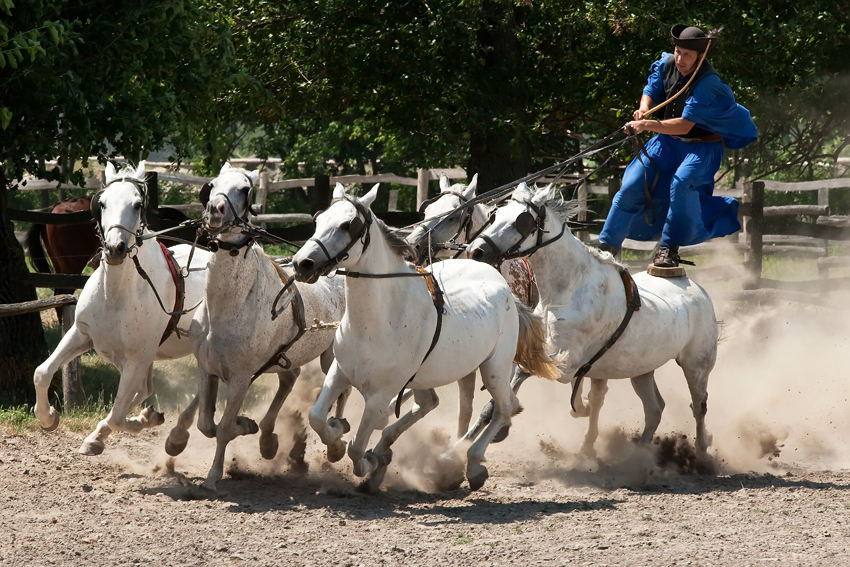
499,150
22,344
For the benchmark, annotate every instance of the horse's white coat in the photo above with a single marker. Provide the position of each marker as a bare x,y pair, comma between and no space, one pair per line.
233,334
388,328
119,316
436,229
583,299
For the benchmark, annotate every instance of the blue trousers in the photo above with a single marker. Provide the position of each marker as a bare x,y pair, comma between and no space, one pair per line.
682,208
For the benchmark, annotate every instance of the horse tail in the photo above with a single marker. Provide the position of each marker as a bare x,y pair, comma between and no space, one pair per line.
531,353
34,248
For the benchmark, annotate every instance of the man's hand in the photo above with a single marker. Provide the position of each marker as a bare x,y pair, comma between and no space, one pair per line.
634,127
639,114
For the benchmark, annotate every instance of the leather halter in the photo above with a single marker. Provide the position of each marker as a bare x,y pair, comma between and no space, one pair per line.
465,221
358,230
525,224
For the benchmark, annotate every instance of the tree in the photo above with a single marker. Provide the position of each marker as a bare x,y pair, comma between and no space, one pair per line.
92,78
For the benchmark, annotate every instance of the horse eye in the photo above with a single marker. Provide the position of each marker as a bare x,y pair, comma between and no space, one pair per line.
137,206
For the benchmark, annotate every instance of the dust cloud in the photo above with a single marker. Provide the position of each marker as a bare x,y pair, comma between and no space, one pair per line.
778,399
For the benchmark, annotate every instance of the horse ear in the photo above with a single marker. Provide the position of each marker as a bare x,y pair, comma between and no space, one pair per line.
369,197
140,171
110,172
444,182
254,176
95,205
339,191
542,195
469,192
204,195
522,192
225,167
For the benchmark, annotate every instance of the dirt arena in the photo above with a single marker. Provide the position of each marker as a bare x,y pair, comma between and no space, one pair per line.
777,411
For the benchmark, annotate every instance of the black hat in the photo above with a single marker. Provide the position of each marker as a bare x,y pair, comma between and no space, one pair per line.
690,37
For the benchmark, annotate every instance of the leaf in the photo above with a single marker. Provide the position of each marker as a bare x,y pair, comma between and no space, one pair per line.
5,117
54,34
2,61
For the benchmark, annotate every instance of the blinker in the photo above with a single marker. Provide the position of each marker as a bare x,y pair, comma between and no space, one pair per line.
525,223
204,195
355,227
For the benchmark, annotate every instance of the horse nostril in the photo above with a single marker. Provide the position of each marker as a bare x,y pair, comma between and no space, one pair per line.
120,248
220,208
475,254
304,266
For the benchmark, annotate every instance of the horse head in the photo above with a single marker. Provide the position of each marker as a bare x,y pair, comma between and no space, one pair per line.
444,218
119,209
341,235
227,198
511,227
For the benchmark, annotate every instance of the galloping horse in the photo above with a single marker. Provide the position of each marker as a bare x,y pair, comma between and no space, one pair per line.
463,310
70,246
120,313
586,296
239,332
446,226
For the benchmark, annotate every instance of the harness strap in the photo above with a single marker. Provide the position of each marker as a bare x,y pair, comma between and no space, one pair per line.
533,292
439,303
179,298
300,318
633,304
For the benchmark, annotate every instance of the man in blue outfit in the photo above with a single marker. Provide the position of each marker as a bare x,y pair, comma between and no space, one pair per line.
668,188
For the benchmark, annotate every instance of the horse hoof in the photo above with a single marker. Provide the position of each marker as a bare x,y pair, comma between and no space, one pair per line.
336,451
268,446
382,459
476,481
55,423
250,425
502,434
154,417
174,449
91,448
372,483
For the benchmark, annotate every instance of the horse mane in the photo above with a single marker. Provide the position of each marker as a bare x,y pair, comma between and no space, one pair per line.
566,209
397,244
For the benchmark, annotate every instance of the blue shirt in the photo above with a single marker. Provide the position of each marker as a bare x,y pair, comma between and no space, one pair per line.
711,106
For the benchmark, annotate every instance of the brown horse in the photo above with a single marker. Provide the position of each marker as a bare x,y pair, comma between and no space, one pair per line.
70,246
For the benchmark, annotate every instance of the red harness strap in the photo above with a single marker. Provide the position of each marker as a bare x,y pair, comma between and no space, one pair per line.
180,295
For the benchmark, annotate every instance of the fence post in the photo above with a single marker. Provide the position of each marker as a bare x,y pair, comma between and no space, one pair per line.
422,178
73,395
613,187
152,183
322,195
263,193
755,228
392,205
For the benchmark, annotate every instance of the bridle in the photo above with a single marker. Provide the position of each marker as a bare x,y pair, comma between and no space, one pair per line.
465,224
358,231
96,212
239,221
526,223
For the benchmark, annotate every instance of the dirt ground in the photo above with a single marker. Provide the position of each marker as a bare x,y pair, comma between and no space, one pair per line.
777,494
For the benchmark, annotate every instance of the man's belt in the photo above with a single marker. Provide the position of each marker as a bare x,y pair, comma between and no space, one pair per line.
706,138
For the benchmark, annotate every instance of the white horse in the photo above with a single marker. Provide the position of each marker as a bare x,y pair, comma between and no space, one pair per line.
401,331
584,298
444,228
118,313
234,335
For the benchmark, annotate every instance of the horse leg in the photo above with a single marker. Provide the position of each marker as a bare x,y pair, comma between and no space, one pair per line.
466,393
207,395
179,435
148,417
581,409
424,402
496,380
331,430
697,377
339,412
72,345
487,413
326,359
373,413
653,404
268,438
595,399
134,377
230,426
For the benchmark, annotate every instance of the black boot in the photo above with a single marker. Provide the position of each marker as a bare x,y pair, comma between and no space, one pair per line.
666,257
